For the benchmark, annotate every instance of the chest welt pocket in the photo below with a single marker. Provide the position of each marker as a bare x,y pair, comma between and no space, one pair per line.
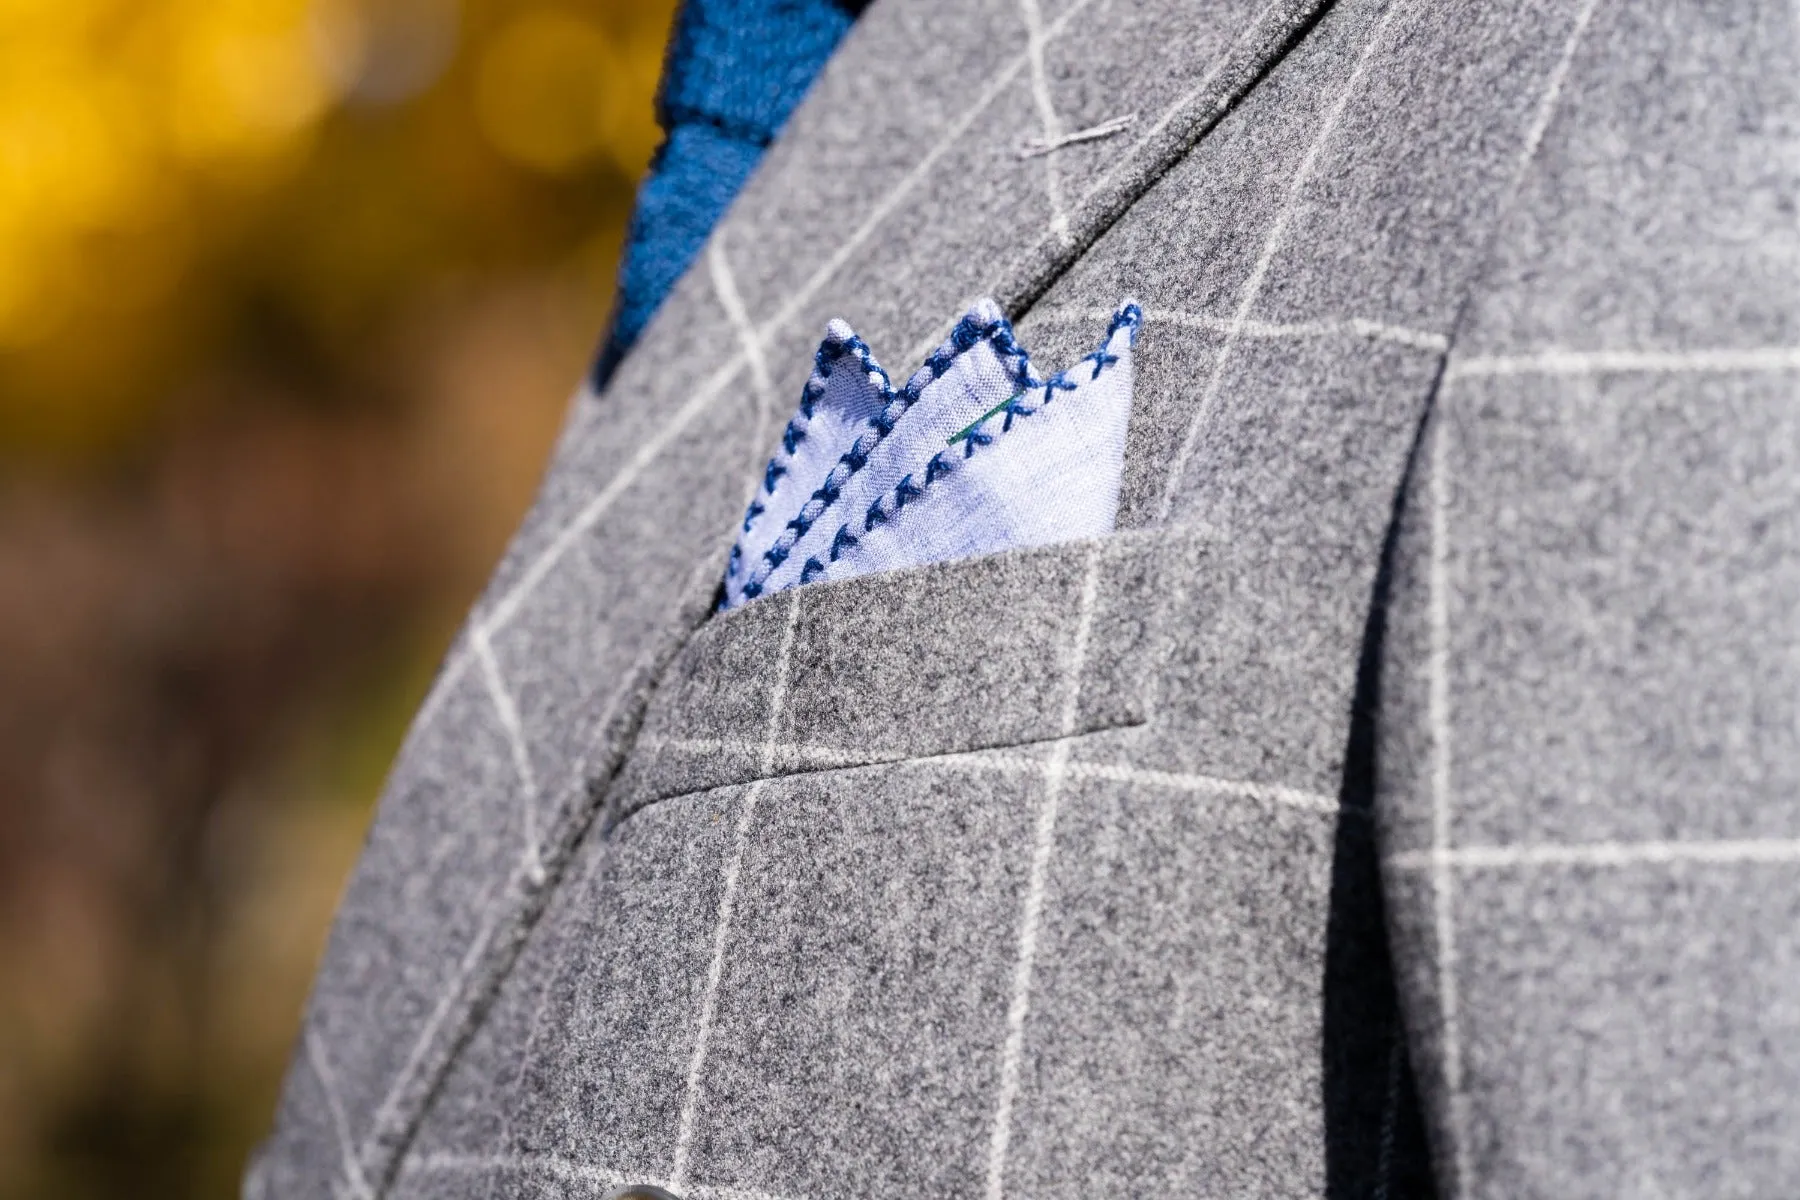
999,650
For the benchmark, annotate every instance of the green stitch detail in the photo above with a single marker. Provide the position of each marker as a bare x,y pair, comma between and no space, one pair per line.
966,430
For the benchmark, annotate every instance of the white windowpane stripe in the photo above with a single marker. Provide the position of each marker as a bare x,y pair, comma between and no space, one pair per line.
568,1170
320,1062
725,289
823,756
1055,770
508,712
1380,331
1601,854
1211,785
728,887
1643,362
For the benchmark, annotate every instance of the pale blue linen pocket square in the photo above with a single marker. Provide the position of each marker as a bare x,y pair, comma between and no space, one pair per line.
977,453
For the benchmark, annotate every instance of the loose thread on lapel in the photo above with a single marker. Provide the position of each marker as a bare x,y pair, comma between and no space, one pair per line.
1037,147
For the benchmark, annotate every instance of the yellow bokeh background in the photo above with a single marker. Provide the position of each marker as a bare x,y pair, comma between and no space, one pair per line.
292,297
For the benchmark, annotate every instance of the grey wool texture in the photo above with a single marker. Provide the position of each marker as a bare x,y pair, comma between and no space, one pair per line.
1402,802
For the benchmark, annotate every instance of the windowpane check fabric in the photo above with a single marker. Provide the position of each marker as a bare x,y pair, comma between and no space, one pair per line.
1399,801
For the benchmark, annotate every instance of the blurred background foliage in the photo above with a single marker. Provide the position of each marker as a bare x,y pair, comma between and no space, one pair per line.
292,297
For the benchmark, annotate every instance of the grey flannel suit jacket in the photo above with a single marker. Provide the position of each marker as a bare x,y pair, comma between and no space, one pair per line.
1405,799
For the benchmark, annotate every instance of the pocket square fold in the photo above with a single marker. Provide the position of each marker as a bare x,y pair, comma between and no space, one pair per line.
976,453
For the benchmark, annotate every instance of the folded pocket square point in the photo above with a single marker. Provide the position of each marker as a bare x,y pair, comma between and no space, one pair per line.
976,453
